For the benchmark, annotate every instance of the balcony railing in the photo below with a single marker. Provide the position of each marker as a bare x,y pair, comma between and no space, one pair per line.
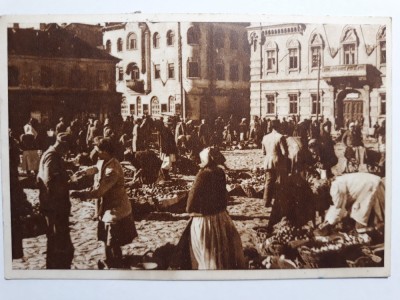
345,71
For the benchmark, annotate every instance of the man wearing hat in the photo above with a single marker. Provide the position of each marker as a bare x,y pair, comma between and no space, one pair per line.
55,204
354,145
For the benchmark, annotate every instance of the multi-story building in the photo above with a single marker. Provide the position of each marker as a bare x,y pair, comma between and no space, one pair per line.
51,74
196,70
290,63
90,33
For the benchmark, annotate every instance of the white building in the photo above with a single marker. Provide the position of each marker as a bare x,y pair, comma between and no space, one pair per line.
196,70
288,59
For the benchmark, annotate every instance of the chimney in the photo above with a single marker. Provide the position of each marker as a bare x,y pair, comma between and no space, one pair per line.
16,25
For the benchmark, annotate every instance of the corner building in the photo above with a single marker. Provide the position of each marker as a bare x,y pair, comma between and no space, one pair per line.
347,62
196,70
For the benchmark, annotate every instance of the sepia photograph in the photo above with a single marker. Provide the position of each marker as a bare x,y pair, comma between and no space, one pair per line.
151,147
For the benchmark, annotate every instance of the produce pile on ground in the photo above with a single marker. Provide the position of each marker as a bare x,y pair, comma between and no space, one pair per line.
250,183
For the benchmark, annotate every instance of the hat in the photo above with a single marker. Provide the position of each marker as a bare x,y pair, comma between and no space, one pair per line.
312,142
64,138
351,124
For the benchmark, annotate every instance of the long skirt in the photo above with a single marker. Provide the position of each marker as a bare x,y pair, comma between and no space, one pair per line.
215,243
30,160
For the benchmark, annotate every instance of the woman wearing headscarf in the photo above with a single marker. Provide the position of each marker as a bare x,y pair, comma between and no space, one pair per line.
116,226
211,237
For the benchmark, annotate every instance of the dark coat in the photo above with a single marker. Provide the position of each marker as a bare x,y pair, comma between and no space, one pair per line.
208,194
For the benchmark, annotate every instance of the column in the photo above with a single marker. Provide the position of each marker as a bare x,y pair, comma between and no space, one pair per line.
367,106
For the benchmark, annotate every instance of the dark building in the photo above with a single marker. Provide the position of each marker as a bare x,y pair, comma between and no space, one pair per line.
52,73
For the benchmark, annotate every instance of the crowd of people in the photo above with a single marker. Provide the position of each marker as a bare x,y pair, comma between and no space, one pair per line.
292,150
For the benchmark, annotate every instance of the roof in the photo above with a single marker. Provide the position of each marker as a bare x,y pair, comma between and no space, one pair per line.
54,42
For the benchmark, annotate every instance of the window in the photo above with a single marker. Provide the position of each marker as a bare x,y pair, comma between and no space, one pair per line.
157,71
270,104
349,41
132,109
171,103
316,47
119,45
383,52
219,39
234,40
132,69
349,54
76,77
171,71
246,73
314,101
220,70
193,36
382,45
271,63
293,47
120,74
46,76
155,106
156,40
293,106
132,41
170,38
315,56
13,76
139,105
293,59
383,104
124,106
193,68
234,72
101,79
108,46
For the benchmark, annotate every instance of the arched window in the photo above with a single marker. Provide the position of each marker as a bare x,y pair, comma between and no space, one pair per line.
349,43
133,70
382,46
171,104
170,38
193,35
234,40
132,41
139,105
156,40
13,76
272,57
294,55
316,51
108,46
124,106
155,106
119,45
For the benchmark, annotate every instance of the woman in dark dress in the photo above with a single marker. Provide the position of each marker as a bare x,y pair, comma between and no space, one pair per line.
214,241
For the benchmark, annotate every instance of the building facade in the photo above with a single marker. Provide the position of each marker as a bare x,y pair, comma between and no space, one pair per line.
195,70
52,74
290,63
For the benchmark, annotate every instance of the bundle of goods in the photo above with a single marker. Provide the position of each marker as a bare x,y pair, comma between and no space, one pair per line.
241,183
155,197
332,251
284,238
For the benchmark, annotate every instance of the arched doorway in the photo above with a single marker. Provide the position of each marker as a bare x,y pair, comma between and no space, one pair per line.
349,107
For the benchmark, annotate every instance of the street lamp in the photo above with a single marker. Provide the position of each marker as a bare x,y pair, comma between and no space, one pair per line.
318,80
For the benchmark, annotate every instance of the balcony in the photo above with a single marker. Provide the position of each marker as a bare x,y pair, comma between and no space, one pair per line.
136,85
352,74
345,71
